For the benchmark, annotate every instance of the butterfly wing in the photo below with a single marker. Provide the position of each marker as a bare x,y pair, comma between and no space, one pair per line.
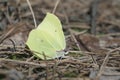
38,44
52,25
48,38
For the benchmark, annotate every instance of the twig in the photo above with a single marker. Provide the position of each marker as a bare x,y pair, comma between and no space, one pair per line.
75,40
93,16
54,70
58,1
81,52
32,13
104,63
29,59
11,31
69,29
21,62
14,47
46,65
4,36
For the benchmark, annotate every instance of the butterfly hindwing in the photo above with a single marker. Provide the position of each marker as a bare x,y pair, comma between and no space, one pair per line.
42,45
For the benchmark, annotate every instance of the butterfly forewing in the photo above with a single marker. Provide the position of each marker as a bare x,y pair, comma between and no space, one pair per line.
53,27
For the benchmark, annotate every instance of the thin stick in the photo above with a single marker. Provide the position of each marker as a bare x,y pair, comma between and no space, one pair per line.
74,38
69,29
13,45
94,9
58,1
29,59
46,66
3,60
32,13
104,63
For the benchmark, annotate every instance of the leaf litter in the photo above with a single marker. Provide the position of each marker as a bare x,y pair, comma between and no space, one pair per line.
90,56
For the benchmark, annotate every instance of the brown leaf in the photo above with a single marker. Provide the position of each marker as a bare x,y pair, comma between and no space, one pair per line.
90,43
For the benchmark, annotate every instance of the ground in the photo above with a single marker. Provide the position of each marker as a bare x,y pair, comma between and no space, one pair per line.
92,31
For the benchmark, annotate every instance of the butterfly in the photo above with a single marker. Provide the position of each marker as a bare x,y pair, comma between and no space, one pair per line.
48,38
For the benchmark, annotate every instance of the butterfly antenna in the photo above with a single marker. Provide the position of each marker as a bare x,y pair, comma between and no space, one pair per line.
54,9
32,13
